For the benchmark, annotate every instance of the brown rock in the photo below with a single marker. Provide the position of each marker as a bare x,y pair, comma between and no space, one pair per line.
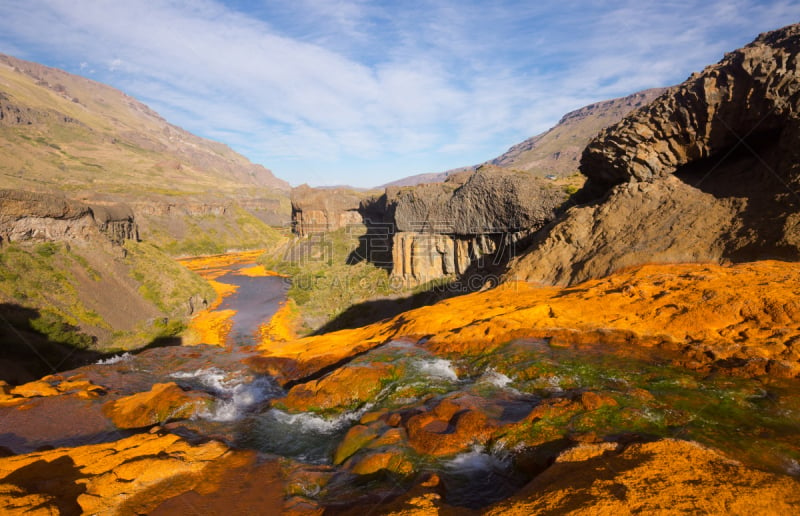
673,182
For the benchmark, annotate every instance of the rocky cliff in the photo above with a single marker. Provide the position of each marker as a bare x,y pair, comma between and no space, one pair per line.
43,217
709,171
318,210
441,229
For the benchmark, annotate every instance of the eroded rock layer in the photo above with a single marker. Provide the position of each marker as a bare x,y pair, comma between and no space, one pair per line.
45,217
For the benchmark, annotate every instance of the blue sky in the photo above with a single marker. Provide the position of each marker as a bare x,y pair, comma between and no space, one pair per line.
364,92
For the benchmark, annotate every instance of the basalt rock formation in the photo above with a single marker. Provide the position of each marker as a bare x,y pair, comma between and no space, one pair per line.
709,171
441,229
319,210
44,217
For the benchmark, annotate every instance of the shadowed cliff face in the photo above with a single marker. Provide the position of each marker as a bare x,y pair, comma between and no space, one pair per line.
707,172
443,229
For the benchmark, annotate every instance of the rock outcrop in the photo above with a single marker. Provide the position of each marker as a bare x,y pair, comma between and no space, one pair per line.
709,171
130,476
45,217
751,93
319,210
441,229
708,312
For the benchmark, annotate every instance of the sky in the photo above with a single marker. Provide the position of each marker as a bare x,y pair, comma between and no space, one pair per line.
361,92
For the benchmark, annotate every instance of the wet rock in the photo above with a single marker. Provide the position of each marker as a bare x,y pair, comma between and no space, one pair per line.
394,461
164,402
595,400
343,389
355,439
452,426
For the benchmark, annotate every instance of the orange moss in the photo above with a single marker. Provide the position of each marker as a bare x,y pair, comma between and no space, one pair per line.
750,308
130,476
52,385
258,271
202,263
210,327
662,477
282,326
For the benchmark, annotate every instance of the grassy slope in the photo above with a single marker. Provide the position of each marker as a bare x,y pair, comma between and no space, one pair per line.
98,298
92,142
88,137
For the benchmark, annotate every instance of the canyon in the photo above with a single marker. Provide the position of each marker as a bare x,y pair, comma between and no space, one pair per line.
628,344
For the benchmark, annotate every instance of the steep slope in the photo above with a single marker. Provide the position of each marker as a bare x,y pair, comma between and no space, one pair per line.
97,192
556,151
62,129
64,133
707,172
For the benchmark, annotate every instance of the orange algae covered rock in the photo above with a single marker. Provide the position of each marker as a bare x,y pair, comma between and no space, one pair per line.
662,477
282,326
257,271
48,386
130,476
165,401
745,311
345,387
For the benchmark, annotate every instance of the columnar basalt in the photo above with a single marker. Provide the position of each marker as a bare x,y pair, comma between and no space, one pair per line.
443,229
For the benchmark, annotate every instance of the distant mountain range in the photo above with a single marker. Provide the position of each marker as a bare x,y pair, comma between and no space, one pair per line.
557,151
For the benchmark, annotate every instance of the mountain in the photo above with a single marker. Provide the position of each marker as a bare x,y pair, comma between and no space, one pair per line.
98,194
66,134
558,150
72,134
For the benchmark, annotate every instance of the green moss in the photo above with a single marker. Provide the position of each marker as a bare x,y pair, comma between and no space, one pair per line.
56,329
